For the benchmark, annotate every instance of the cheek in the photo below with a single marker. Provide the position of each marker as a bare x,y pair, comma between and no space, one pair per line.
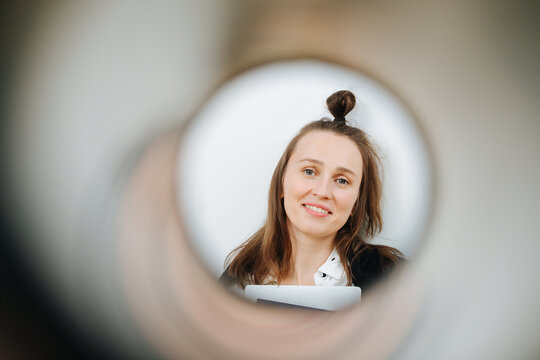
347,202
288,192
293,187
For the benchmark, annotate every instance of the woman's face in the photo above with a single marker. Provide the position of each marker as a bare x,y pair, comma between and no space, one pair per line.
321,184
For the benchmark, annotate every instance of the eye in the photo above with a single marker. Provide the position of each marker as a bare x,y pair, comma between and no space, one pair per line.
342,181
309,172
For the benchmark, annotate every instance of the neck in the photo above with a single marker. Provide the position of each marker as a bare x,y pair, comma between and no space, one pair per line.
308,254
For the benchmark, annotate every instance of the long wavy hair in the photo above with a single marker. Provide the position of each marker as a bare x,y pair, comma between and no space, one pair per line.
267,254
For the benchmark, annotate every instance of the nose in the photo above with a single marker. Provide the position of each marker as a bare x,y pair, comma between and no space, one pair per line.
322,188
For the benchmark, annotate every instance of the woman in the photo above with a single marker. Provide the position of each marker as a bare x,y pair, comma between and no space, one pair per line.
324,203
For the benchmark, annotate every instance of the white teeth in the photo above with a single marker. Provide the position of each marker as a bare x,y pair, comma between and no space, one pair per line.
314,208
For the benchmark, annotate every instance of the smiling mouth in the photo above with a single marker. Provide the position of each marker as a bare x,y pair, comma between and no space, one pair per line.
317,209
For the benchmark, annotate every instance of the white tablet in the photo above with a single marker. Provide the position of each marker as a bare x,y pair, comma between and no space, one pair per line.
315,297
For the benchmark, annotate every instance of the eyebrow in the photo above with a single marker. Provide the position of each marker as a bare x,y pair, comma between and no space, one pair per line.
340,168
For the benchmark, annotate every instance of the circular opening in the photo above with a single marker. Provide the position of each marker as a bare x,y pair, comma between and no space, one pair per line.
231,147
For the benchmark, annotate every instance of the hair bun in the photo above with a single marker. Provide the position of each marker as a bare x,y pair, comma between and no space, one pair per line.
341,103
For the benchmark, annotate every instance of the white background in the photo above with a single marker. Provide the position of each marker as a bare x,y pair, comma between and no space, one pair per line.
230,151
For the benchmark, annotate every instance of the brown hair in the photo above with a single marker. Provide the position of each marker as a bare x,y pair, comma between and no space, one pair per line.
268,252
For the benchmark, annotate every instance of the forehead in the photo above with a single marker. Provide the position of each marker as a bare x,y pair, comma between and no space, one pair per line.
332,149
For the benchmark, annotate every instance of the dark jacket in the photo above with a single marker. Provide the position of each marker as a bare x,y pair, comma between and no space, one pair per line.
369,266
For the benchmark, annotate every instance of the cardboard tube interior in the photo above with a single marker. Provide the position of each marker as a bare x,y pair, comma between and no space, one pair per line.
98,101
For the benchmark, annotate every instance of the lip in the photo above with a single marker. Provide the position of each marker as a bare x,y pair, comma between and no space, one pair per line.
315,213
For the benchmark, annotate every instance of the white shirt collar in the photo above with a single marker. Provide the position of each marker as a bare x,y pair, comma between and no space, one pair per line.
331,273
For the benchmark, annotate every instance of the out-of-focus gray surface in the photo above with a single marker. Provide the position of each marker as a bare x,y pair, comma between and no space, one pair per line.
95,82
